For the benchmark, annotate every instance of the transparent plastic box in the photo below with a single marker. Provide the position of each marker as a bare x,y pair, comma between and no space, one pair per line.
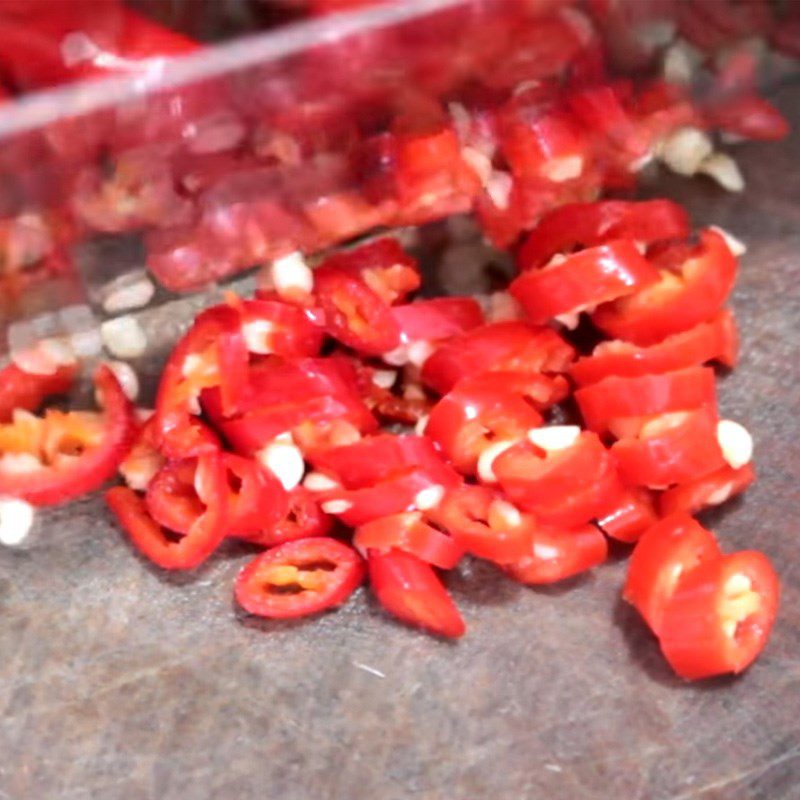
195,169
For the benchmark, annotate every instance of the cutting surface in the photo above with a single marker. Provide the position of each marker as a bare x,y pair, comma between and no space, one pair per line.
120,682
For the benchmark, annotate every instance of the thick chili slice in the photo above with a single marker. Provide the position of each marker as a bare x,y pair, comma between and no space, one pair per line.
205,533
485,524
78,457
410,490
212,353
437,318
311,394
715,340
409,589
304,519
556,554
671,548
707,490
671,448
582,281
484,409
299,578
604,403
630,517
410,533
383,265
678,301
566,486
503,346
256,499
588,224
354,313
720,615
26,390
274,327
376,458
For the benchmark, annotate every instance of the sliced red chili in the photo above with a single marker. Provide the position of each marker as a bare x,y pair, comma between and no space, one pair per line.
212,353
376,458
20,389
720,615
299,578
582,281
671,448
671,548
678,301
556,554
437,318
409,532
383,265
715,340
588,224
205,533
565,487
287,395
631,516
89,459
409,490
707,490
485,524
481,410
501,346
612,399
303,519
409,589
271,326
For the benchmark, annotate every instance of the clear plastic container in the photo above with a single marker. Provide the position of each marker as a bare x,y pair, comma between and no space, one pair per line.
192,170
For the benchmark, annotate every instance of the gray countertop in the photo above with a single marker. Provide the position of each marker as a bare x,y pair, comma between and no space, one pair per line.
120,682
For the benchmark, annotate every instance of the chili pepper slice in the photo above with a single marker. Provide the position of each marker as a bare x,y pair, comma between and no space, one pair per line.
485,524
501,346
588,224
144,459
377,458
720,615
256,500
299,578
271,326
437,318
304,519
564,487
307,396
707,490
20,389
671,548
678,301
409,589
171,498
715,340
485,409
631,516
205,533
212,353
582,281
78,459
409,490
383,265
409,532
556,554
671,448
614,398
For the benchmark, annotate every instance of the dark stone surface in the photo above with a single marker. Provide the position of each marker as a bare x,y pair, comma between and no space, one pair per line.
118,682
